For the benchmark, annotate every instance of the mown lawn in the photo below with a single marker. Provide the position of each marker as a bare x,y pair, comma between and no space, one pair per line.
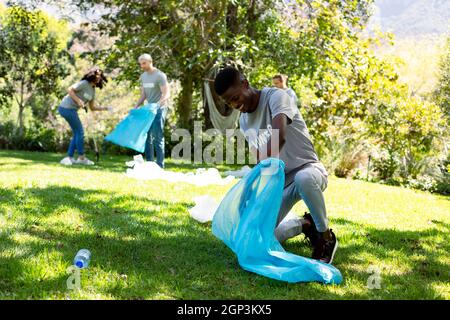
145,245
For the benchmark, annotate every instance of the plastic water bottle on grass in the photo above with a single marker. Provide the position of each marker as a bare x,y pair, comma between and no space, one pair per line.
82,258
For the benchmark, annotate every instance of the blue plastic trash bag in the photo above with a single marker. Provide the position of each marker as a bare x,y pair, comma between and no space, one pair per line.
245,220
131,132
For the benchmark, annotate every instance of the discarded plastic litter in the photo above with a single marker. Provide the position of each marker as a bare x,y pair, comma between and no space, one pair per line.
136,159
204,209
82,258
245,221
149,170
238,173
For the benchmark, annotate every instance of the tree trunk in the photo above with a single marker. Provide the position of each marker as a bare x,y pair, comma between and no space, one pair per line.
21,107
251,19
232,26
184,107
20,118
232,19
207,116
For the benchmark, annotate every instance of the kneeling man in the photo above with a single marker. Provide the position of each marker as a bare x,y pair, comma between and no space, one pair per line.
272,109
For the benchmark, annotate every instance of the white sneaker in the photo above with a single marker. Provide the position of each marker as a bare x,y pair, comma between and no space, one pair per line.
85,161
67,161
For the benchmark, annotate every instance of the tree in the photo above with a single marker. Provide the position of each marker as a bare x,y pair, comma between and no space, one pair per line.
185,38
442,92
32,61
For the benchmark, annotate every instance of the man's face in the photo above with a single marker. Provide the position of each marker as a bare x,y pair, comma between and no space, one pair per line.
277,83
240,97
145,65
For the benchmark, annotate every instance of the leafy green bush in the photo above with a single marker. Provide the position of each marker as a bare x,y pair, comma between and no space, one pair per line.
443,180
35,138
385,166
6,134
41,138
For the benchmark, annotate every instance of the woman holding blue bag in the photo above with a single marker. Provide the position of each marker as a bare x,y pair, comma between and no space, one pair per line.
80,94
154,89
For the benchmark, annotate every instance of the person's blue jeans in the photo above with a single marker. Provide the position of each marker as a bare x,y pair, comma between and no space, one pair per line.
155,138
77,142
308,185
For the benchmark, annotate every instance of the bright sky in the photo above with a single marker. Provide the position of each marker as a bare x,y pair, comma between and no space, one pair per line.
66,11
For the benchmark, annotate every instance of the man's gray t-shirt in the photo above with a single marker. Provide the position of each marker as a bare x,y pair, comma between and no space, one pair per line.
298,150
83,90
293,96
152,83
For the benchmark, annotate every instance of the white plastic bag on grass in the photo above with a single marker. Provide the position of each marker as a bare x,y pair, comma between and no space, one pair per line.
204,209
136,159
149,170
239,173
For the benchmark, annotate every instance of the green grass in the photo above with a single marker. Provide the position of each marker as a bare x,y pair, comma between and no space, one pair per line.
145,245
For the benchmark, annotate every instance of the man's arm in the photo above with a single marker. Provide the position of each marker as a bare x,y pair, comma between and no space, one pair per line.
141,99
279,123
295,98
165,94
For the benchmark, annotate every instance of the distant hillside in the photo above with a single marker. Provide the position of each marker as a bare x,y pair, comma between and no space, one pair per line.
412,18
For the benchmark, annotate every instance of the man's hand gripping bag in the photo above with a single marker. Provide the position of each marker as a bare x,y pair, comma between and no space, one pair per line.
131,132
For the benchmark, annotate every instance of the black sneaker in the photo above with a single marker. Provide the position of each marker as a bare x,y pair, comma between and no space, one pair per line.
325,249
311,234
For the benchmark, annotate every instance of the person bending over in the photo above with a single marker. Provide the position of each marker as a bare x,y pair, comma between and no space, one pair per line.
80,94
306,178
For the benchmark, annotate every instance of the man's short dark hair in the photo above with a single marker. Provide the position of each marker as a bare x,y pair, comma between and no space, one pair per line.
226,78
281,77
278,76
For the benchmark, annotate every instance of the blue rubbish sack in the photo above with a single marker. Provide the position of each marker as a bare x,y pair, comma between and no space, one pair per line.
131,132
245,221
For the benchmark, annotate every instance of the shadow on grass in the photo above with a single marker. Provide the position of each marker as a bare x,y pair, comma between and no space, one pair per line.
106,163
112,163
163,252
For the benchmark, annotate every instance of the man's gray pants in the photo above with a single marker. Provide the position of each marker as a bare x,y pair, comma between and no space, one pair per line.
308,185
